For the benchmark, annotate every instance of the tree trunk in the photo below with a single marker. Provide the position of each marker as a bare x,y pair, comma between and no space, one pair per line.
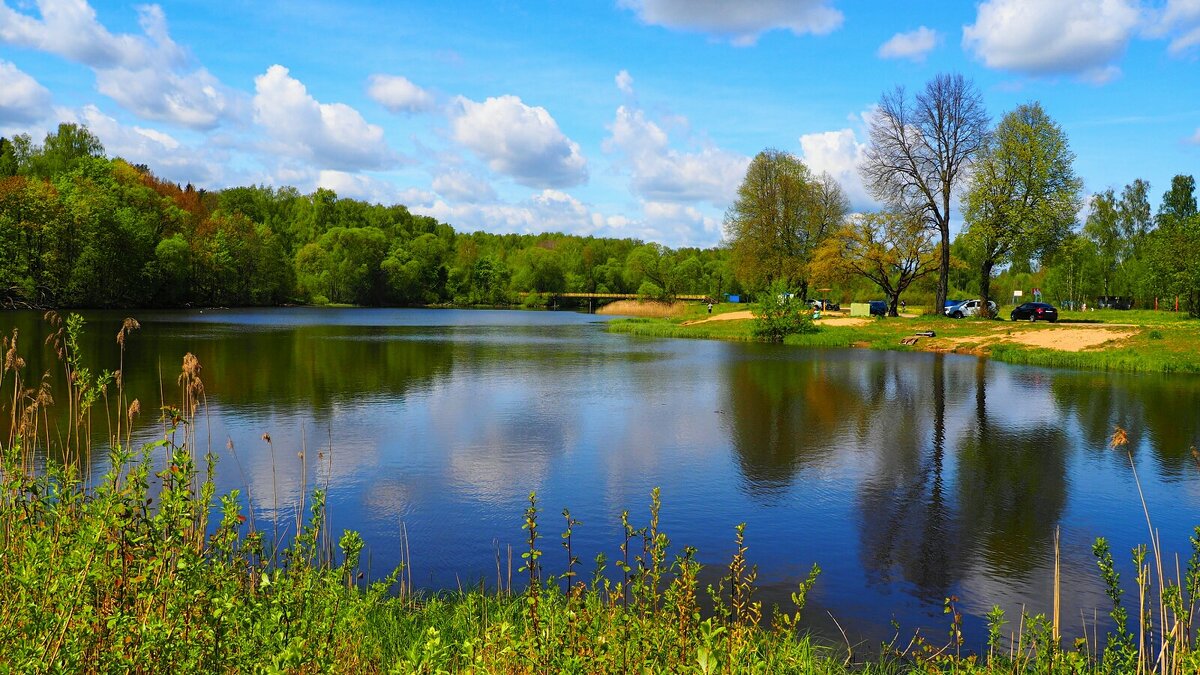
892,302
943,286
802,292
985,288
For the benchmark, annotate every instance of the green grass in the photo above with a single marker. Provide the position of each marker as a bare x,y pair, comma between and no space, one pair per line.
1165,342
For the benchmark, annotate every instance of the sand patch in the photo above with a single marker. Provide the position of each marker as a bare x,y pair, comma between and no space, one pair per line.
1069,339
727,316
843,321
1061,338
649,308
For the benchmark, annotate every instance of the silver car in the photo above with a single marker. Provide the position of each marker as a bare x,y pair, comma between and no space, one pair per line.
969,308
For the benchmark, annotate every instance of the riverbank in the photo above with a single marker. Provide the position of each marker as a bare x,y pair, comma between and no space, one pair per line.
1128,341
95,581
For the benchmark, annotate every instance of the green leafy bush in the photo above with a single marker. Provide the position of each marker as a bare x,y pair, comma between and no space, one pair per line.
778,314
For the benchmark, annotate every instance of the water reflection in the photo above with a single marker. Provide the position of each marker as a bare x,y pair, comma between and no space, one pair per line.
908,477
1157,411
780,411
908,531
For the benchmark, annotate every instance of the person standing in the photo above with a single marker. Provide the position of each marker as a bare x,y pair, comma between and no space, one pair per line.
710,308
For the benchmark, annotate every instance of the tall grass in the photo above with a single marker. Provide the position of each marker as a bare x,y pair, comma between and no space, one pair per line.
146,569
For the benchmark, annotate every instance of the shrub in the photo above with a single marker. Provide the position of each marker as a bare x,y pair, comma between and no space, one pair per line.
778,314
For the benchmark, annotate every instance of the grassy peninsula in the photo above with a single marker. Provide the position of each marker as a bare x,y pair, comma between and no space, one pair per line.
1128,341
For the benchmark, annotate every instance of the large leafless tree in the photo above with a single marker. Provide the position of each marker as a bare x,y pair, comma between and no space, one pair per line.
921,149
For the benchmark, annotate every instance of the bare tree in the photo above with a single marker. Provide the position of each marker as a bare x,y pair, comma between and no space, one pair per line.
920,151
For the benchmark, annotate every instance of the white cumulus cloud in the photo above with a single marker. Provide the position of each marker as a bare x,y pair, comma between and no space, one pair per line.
69,28
166,156
461,186
1180,19
22,99
192,99
358,186
519,141
913,45
678,224
329,135
662,173
1043,37
741,22
148,74
624,82
546,211
398,94
839,153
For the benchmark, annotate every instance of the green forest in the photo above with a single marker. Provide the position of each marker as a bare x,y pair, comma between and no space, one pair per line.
81,229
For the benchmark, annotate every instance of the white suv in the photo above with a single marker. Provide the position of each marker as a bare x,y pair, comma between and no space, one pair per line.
969,308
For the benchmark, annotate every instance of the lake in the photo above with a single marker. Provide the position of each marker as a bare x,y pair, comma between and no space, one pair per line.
909,477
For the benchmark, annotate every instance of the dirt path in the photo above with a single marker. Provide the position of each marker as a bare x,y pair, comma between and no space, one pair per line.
727,316
834,320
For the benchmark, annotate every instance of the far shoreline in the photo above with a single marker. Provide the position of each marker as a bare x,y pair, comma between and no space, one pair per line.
1134,341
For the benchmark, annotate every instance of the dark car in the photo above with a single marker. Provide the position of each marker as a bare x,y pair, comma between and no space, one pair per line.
879,307
1035,311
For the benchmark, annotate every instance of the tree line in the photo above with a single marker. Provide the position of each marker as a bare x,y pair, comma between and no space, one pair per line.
1018,197
78,228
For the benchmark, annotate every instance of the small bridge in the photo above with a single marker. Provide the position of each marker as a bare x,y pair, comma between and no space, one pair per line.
626,296
592,297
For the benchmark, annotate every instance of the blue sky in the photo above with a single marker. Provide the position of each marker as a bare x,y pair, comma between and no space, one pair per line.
617,118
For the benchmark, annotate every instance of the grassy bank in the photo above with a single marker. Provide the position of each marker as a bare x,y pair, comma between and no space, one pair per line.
1129,341
147,569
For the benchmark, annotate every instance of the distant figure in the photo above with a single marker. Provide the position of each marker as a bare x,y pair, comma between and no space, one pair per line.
1085,306
903,305
710,308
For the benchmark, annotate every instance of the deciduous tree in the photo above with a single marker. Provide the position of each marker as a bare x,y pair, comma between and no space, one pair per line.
1023,194
920,151
1103,228
781,214
891,249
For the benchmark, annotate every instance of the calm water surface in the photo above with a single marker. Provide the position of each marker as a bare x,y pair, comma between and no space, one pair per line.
907,477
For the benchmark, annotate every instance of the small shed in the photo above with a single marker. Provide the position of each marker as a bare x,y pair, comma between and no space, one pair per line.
860,309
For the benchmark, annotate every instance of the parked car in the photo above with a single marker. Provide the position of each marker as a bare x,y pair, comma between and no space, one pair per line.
824,305
951,303
969,308
879,307
1035,311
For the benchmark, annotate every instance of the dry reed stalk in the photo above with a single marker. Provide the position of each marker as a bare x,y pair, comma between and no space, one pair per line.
650,309
1057,586
274,500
